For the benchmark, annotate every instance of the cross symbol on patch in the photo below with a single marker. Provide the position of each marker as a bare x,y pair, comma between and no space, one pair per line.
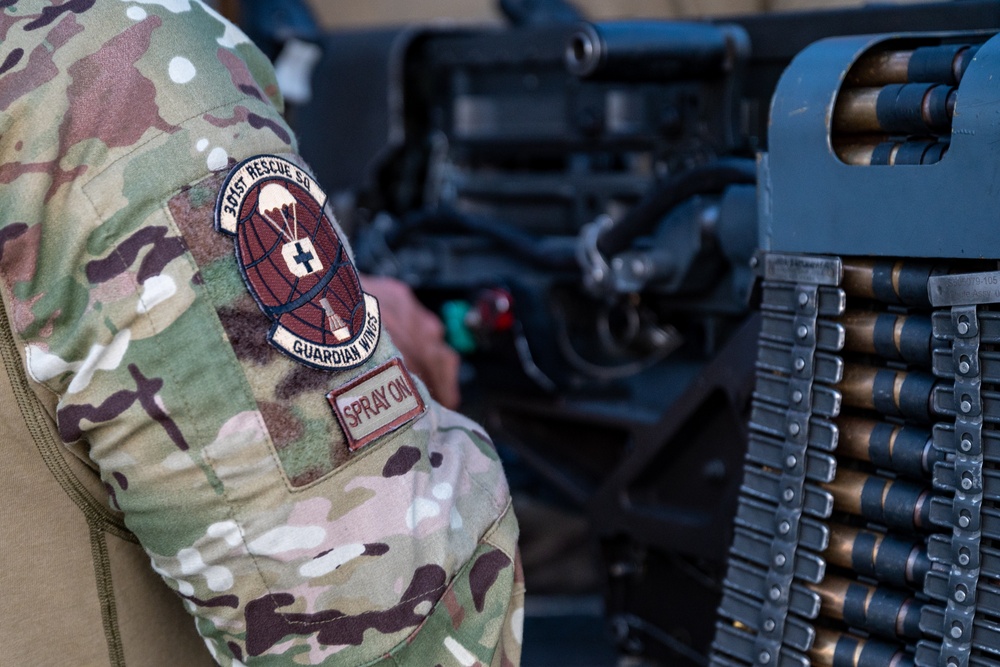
301,257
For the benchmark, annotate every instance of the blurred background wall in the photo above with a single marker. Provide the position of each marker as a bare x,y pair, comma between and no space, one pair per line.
366,13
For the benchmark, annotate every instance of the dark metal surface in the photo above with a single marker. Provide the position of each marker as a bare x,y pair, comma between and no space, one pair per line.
801,188
564,630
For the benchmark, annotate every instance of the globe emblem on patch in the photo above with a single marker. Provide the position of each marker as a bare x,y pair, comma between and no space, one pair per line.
296,266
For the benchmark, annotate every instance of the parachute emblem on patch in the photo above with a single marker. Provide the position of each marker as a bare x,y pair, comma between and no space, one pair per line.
296,266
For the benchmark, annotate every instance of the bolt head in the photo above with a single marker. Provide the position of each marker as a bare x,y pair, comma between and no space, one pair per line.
966,406
764,657
964,367
963,328
963,559
966,483
956,631
791,461
966,444
774,593
794,428
960,596
803,331
803,299
780,560
797,396
769,625
800,363
788,495
964,521
784,527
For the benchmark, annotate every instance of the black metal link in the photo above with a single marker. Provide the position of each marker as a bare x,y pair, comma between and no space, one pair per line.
776,545
967,481
788,515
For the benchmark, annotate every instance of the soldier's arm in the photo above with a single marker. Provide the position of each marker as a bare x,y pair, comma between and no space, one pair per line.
301,492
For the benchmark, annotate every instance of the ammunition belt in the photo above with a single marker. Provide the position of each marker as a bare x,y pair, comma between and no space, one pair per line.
870,505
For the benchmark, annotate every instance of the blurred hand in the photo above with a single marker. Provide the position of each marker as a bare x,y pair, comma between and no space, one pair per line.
419,335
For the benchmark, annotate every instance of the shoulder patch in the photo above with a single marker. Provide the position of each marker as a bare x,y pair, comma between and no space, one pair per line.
296,266
376,403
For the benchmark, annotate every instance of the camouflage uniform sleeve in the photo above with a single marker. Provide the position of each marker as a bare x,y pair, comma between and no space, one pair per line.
292,529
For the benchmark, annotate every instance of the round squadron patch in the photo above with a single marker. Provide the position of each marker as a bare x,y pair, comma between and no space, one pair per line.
296,266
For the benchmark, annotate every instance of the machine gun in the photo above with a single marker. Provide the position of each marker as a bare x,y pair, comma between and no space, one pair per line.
865,533
580,203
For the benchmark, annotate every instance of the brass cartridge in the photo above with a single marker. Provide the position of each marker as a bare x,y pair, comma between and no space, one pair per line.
940,64
862,150
891,336
902,109
890,281
858,150
880,68
857,111
903,449
882,556
890,502
879,610
839,649
890,392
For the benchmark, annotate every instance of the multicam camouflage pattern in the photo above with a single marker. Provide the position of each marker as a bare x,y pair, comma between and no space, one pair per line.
118,123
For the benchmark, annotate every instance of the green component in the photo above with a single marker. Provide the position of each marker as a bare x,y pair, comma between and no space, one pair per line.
459,337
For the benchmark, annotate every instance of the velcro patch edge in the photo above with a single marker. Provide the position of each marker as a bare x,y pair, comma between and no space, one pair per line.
376,403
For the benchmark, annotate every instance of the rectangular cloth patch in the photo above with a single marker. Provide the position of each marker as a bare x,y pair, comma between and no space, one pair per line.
376,403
